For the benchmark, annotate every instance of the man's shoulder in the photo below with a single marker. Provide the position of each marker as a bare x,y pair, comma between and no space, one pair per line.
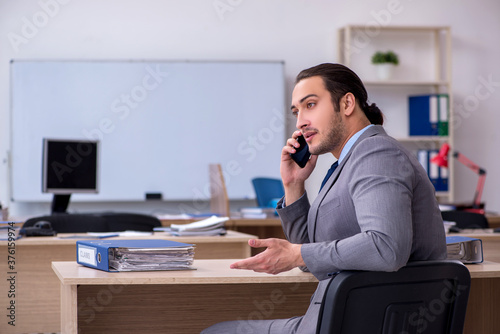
376,136
380,146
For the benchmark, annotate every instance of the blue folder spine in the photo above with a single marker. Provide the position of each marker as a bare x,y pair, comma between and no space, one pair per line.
437,175
423,115
92,254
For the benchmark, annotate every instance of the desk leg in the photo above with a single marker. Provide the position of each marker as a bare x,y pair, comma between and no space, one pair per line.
69,309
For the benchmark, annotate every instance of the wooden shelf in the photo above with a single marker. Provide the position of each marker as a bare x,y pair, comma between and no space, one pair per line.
418,139
405,83
431,75
399,28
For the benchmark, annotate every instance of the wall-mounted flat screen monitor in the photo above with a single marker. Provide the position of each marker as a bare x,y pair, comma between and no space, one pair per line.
69,166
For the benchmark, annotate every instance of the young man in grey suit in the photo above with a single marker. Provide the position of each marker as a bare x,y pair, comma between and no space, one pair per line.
376,211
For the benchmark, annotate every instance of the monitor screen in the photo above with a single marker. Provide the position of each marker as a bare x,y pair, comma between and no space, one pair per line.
70,166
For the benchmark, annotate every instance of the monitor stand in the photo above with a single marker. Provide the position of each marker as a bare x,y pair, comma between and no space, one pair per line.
60,203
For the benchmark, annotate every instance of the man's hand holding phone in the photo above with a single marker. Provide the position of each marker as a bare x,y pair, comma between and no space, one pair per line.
293,174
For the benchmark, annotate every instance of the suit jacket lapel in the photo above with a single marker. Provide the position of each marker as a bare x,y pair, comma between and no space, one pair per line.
313,213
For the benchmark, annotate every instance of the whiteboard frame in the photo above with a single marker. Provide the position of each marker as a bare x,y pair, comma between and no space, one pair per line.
239,185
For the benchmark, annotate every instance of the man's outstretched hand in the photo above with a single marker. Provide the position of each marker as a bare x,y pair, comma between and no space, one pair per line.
279,256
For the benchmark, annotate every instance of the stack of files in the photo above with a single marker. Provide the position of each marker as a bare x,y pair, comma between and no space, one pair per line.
448,226
428,115
464,249
258,212
135,255
210,226
438,175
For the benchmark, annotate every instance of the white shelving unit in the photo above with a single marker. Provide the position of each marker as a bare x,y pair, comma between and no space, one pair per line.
425,68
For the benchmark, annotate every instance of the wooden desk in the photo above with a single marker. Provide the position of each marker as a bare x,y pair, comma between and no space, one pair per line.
484,299
187,301
263,228
493,220
483,307
37,297
94,301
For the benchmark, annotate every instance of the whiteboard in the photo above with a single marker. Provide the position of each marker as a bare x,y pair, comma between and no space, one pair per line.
160,124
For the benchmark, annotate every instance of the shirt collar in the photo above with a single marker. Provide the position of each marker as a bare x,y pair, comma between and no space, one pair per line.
351,142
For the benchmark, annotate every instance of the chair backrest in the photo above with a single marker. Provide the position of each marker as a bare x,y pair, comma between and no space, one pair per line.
97,222
267,189
123,221
422,297
465,219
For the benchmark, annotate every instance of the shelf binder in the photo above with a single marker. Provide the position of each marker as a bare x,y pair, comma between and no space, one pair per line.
442,184
433,169
428,115
423,110
464,249
134,255
443,108
423,158
437,175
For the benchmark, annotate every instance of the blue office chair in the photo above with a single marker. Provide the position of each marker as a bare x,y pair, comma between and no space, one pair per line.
267,190
422,297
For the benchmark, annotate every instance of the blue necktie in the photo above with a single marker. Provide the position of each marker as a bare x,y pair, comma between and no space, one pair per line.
330,172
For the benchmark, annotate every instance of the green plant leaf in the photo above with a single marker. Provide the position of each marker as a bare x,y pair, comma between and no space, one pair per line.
385,57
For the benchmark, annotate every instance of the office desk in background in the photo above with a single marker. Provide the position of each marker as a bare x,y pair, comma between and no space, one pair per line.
493,220
37,287
188,301
263,228
271,228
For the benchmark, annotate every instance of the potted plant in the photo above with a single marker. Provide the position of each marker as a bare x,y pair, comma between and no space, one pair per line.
385,62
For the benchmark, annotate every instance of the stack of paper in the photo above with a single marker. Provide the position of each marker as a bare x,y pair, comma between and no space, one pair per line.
135,255
210,226
143,259
258,213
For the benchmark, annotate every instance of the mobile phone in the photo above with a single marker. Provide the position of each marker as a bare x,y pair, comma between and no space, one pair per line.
301,155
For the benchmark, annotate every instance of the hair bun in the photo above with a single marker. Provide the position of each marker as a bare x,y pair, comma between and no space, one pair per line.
374,114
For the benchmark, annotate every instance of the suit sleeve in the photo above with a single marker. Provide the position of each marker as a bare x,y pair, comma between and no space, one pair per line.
294,219
381,188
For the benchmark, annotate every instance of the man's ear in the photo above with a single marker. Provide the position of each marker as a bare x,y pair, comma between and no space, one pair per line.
348,104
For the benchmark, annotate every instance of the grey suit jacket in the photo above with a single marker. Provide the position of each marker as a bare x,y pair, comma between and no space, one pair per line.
376,212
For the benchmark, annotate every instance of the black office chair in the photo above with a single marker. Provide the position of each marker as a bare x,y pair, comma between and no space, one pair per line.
465,219
97,222
422,297
267,189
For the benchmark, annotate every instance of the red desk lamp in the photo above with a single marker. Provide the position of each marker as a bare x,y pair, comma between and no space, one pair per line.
442,160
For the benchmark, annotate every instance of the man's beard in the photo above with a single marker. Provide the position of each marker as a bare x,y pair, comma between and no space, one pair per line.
333,138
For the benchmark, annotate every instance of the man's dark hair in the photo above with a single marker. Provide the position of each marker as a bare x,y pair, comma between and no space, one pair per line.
340,80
